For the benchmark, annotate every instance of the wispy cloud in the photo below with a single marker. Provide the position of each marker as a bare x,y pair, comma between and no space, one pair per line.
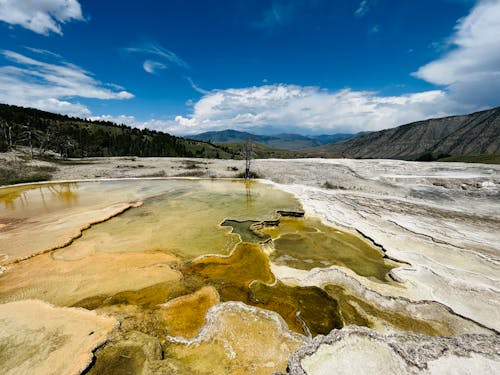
374,30
152,67
280,13
51,86
363,8
196,87
160,53
471,70
41,16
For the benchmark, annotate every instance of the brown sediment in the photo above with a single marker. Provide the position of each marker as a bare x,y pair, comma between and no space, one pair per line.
37,338
66,283
246,264
184,316
356,311
245,276
129,353
237,339
79,233
307,310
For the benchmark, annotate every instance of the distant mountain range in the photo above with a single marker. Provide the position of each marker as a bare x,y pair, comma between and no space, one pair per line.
293,142
474,137
473,134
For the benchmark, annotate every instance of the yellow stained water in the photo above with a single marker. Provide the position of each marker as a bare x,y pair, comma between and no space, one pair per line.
159,268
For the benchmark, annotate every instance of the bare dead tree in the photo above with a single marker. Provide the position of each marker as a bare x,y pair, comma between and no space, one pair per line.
30,143
45,141
26,137
65,146
7,132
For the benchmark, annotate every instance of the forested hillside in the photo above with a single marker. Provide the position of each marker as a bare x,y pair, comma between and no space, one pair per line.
75,137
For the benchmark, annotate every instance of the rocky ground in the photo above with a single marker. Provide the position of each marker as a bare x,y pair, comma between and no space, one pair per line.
440,220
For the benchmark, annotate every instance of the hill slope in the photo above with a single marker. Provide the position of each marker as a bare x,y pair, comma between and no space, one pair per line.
75,137
473,134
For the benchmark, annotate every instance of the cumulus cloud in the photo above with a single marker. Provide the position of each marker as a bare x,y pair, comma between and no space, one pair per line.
274,108
51,86
468,76
152,67
160,53
40,16
471,70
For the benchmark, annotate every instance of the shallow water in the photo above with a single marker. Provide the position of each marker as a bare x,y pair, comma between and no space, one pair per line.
306,243
161,267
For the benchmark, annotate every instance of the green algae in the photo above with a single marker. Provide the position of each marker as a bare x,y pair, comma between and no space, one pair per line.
246,264
245,229
307,310
306,243
362,313
246,276
119,359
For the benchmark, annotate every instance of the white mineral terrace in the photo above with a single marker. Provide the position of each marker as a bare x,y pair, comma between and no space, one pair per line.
441,221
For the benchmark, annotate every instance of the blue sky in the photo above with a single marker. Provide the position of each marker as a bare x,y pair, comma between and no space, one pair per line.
317,66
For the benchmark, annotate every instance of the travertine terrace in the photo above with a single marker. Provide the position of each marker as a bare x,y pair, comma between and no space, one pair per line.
436,225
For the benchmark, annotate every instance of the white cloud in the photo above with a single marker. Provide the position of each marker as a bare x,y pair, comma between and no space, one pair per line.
40,16
273,108
153,49
120,119
196,87
374,30
156,124
363,8
152,67
471,70
50,86
469,76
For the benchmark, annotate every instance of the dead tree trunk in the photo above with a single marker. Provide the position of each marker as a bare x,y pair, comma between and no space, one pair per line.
44,144
9,137
30,143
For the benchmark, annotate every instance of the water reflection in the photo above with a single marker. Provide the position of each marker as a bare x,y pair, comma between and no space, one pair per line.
249,199
22,197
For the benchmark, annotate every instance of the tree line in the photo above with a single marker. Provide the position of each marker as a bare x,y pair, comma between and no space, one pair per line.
75,137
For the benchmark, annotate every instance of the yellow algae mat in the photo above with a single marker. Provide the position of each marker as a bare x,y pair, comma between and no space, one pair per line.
184,266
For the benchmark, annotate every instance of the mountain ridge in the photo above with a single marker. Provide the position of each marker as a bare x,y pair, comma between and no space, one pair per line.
286,141
472,134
